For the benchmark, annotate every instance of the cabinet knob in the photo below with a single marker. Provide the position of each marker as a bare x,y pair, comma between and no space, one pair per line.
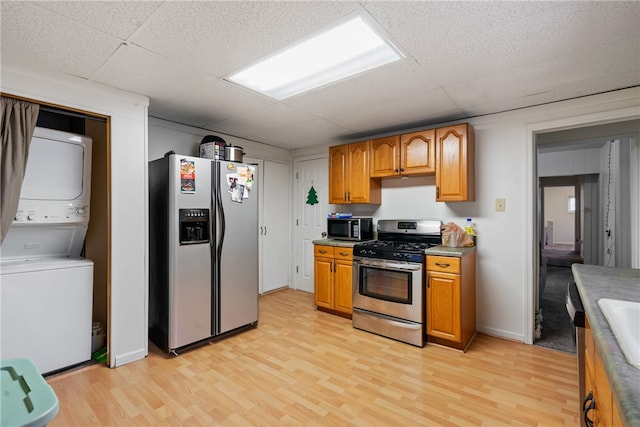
442,264
322,251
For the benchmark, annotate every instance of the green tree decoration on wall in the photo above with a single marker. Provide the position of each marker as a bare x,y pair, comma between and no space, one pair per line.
312,197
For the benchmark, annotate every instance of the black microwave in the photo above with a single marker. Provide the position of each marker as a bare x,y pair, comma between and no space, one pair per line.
357,228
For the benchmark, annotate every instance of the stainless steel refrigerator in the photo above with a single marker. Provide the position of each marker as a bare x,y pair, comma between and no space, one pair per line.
203,249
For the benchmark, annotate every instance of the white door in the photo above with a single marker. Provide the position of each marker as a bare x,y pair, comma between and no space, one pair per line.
274,228
311,220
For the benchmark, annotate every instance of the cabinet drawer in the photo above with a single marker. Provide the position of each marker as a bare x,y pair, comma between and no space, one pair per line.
444,264
340,252
322,250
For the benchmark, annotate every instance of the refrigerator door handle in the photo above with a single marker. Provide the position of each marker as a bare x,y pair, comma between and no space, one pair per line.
220,211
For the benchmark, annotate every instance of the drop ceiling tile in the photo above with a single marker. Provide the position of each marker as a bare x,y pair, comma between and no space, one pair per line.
140,71
427,107
45,40
253,122
392,81
208,103
117,18
563,30
545,80
602,83
225,36
304,134
420,27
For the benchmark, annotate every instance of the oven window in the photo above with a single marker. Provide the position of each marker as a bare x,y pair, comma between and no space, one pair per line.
388,285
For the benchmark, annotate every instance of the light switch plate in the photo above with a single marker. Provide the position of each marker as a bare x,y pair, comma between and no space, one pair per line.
500,205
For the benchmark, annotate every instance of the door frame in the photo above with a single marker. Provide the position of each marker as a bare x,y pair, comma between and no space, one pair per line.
98,236
530,187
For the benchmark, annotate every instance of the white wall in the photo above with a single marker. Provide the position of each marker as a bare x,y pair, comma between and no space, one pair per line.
505,159
128,112
569,162
165,136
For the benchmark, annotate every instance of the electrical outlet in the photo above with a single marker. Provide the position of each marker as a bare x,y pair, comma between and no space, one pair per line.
500,205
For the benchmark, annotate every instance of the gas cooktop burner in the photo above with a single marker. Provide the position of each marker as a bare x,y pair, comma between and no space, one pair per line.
401,251
402,240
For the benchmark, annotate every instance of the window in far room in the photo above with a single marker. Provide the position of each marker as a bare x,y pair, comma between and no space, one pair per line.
571,204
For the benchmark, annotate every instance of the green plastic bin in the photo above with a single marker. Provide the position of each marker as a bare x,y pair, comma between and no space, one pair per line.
27,399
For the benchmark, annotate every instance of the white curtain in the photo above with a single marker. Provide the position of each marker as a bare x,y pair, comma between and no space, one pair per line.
17,123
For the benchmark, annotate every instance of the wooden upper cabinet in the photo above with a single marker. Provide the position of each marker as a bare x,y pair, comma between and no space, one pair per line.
385,157
403,155
349,180
359,182
418,153
338,179
455,164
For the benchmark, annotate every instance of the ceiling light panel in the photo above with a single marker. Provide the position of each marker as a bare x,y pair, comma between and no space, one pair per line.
347,49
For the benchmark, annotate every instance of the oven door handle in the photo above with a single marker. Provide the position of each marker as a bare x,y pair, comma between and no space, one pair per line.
389,265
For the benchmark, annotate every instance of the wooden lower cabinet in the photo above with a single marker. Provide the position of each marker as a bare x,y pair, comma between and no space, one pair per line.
332,279
451,300
599,405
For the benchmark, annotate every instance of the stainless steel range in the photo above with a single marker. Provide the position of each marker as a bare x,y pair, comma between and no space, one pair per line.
389,279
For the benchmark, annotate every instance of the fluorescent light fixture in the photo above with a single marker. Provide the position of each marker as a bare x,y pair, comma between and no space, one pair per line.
343,51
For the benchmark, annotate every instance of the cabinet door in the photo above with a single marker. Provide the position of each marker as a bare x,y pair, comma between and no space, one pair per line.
338,178
358,173
418,153
604,399
342,286
443,306
455,164
592,414
385,157
323,282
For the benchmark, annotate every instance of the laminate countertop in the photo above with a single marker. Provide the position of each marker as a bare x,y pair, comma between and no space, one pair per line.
335,242
594,283
449,251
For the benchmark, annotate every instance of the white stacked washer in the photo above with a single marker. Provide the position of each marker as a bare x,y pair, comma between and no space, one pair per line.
46,287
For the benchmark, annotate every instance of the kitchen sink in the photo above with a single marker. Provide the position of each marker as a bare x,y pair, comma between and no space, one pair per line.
624,319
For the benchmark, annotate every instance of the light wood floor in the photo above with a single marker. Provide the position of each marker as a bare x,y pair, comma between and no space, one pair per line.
305,367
